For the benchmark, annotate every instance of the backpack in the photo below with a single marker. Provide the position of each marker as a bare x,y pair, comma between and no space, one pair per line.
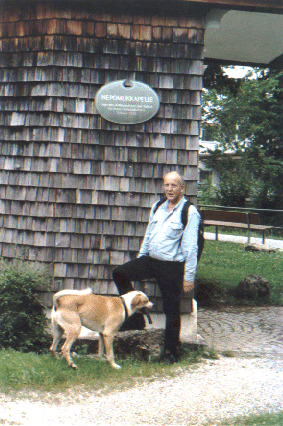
184,220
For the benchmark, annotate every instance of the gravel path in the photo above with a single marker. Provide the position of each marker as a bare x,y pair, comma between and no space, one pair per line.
205,394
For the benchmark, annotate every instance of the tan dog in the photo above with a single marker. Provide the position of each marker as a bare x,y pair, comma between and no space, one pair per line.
73,309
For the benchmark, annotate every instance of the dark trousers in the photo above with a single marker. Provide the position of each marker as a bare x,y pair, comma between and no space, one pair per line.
169,277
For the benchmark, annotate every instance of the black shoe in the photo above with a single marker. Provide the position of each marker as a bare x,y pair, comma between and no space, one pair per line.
134,322
169,357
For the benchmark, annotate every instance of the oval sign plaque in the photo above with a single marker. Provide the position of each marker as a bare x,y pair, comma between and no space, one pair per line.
124,102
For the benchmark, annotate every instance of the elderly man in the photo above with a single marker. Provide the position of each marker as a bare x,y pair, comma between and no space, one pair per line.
168,254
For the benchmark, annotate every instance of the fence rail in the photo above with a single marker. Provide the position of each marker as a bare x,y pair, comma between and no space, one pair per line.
264,213
239,208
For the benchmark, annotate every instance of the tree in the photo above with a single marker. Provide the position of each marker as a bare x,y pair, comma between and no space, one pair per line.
249,122
215,78
234,186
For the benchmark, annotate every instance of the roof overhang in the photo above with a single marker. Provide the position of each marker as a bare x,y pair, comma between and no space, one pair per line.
244,37
238,32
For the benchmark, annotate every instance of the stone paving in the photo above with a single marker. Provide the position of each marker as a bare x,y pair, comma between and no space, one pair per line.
244,329
250,330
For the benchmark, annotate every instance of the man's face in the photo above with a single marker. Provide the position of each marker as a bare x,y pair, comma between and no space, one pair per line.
173,188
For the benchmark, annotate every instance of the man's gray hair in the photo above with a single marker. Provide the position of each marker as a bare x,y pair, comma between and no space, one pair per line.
176,174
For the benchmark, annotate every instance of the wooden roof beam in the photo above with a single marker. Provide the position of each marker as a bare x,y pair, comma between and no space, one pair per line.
267,6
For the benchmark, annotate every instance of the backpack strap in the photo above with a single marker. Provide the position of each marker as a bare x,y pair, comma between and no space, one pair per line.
184,220
184,213
158,204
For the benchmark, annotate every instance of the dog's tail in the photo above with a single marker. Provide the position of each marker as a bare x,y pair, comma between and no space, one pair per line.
69,293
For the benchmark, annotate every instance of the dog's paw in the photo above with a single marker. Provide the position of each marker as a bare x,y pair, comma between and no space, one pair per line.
74,366
55,354
116,366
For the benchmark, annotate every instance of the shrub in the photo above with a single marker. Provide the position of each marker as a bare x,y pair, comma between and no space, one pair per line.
233,188
207,193
209,292
23,322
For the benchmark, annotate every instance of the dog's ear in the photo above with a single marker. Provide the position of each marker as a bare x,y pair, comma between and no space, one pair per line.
138,300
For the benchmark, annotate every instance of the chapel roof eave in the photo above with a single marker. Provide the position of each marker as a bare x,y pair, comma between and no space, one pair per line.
237,32
267,6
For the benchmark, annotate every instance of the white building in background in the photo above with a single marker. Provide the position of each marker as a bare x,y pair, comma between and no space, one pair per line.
205,173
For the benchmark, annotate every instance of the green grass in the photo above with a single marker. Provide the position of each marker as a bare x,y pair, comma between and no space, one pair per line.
223,265
32,372
273,419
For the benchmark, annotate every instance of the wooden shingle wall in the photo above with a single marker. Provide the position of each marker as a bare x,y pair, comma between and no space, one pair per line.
76,189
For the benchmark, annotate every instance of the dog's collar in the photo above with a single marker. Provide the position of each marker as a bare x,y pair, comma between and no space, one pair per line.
125,307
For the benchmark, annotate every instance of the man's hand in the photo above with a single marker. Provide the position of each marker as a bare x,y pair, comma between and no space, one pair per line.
188,286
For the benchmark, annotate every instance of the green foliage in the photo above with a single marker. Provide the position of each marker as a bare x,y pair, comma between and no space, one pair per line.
233,190
30,372
22,319
215,78
209,292
207,193
211,354
249,122
223,265
266,191
252,117
234,186
266,103
268,419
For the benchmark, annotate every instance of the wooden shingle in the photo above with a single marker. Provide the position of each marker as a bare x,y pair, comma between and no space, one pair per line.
73,185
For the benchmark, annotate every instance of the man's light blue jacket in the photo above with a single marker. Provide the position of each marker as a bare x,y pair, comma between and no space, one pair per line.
165,238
